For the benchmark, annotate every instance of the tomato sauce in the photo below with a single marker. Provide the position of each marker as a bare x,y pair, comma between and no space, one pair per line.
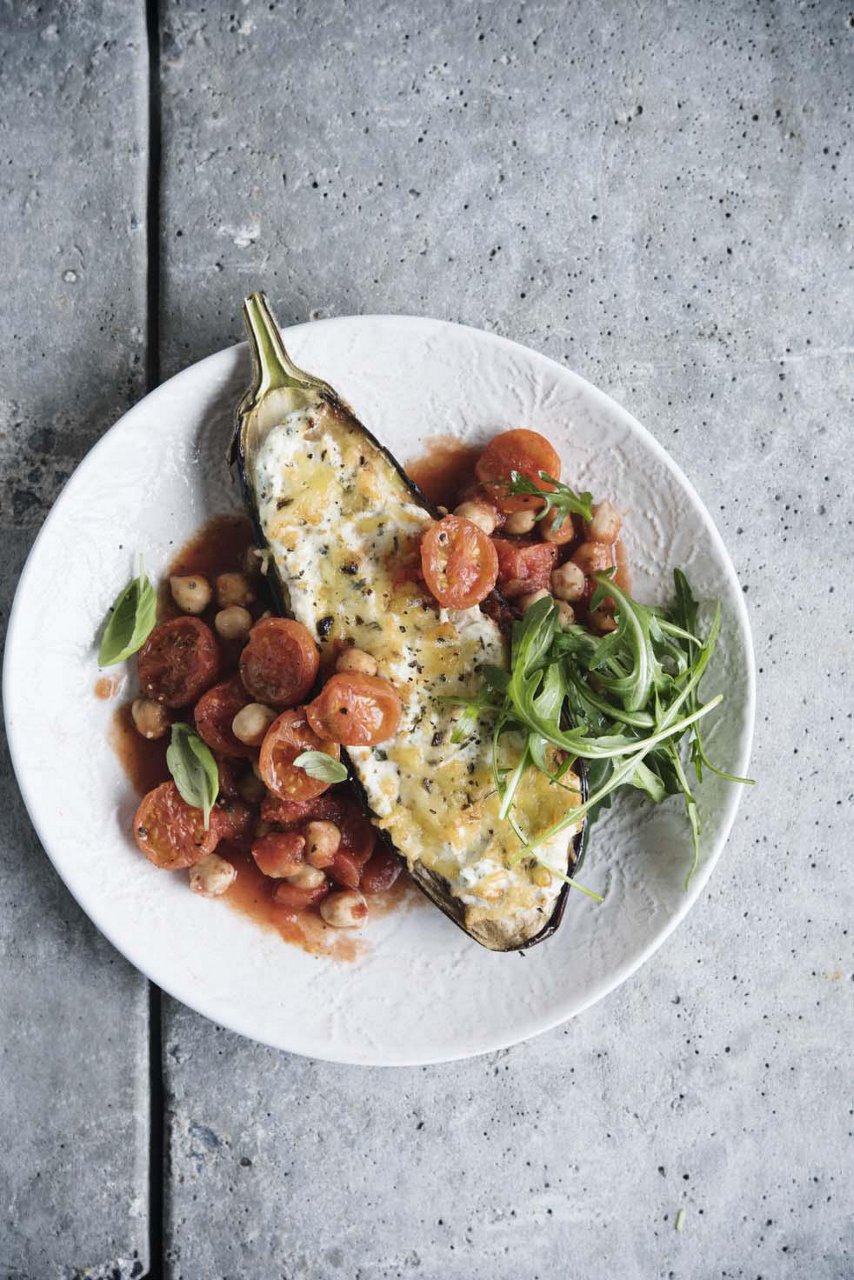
220,546
250,895
444,469
143,759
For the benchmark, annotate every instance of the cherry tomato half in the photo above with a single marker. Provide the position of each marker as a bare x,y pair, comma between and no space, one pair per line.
294,900
524,566
287,738
380,872
178,661
355,710
524,451
279,853
170,832
279,663
458,562
286,813
214,713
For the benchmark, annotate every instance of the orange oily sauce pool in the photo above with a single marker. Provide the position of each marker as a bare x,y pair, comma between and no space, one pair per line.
444,469
250,895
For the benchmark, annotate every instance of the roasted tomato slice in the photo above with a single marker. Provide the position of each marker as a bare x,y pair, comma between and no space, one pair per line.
279,853
214,713
524,566
288,737
170,832
458,562
346,870
286,813
229,776
355,710
178,661
380,872
524,451
279,663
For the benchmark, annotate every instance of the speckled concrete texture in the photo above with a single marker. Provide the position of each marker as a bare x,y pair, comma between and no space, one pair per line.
657,196
73,1014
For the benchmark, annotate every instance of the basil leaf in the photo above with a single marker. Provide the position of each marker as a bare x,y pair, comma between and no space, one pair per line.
130,622
193,769
317,764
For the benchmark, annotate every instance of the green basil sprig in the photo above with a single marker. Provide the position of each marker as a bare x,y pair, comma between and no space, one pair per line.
317,764
130,622
193,769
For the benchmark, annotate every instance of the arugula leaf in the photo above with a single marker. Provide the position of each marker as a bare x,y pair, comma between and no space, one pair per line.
621,702
130,621
317,764
560,498
193,768
684,613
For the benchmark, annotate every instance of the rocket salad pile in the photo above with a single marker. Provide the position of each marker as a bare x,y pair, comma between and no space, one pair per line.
630,696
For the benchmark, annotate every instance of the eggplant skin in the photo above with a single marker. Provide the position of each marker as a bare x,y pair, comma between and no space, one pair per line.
341,521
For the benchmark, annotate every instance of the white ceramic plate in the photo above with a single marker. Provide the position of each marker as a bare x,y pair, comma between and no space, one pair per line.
421,991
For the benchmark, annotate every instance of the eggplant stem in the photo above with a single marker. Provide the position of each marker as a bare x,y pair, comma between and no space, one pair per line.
272,365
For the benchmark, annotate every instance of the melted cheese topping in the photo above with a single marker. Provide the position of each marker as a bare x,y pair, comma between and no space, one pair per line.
343,530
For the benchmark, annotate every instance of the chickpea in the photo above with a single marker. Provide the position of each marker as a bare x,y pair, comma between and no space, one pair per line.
251,789
565,614
568,582
525,602
346,909
322,840
151,719
606,523
233,588
592,557
192,593
252,722
307,878
480,513
558,528
356,660
520,521
602,621
233,623
212,876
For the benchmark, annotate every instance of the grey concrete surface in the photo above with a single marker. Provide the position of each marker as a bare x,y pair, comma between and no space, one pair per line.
73,1014
659,196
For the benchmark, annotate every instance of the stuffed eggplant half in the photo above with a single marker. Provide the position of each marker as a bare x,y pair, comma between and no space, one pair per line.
341,525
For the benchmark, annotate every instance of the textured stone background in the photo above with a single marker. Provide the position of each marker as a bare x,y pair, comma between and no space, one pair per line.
659,196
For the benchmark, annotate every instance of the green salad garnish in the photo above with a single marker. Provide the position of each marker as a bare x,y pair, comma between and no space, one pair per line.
623,702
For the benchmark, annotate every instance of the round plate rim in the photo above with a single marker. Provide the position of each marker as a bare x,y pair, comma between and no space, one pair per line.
597,991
